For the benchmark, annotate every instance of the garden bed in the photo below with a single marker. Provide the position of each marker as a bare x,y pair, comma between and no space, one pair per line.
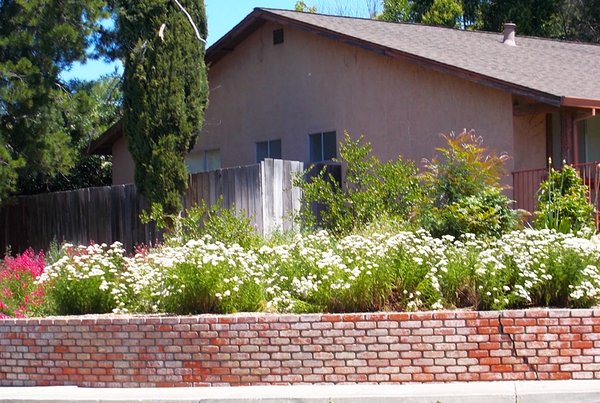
259,349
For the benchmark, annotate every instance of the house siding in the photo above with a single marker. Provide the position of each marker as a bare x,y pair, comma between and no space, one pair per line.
123,165
314,84
311,84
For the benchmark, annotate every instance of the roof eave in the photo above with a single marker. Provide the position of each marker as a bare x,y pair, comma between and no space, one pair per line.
580,102
103,144
227,43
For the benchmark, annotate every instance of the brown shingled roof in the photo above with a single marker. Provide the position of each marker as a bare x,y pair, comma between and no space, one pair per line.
550,71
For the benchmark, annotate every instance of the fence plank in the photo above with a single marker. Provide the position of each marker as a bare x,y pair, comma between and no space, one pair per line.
109,214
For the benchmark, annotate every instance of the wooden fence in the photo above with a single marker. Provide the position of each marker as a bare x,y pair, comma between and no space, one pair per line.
108,214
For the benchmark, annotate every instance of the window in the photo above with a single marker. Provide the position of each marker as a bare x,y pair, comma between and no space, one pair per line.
206,160
278,36
322,147
268,149
588,139
212,160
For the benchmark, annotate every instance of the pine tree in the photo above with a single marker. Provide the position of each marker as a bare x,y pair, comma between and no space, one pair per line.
165,91
38,40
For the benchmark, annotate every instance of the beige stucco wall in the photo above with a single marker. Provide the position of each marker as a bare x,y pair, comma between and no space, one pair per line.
529,139
312,84
123,165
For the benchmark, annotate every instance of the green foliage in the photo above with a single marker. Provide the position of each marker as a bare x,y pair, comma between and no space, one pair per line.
401,271
562,202
217,282
533,17
464,191
84,280
224,225
396,11
446,13
301,6
39,40
486,213
20,294
165,92
94,107
576,20
370,189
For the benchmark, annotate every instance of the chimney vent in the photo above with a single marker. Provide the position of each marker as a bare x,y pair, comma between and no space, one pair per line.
509,34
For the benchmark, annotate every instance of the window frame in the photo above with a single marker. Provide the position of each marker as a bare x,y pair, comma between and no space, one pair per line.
322,146
269,149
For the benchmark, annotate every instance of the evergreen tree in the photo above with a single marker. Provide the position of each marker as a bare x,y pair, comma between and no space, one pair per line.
396,11
447,13
165,91
301,6
533,17
38,40
93,107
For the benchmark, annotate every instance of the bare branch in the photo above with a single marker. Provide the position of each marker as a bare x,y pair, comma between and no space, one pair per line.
191,21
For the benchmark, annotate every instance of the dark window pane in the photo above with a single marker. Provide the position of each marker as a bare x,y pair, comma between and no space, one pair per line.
213,159
275,149
329,146
262,151
315,148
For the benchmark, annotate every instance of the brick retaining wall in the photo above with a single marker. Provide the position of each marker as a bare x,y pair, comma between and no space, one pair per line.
255,349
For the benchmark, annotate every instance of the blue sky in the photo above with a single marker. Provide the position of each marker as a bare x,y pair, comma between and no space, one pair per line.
222,16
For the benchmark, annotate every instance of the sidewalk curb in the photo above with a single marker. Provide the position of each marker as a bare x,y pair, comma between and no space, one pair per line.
574,391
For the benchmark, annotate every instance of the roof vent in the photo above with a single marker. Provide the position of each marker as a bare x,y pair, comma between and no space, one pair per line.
509,34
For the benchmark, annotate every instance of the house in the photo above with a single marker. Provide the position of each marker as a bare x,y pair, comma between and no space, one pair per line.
286,84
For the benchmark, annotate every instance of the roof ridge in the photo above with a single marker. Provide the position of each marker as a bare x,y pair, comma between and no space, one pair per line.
555,40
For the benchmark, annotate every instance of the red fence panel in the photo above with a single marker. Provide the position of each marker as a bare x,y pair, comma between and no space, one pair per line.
526,185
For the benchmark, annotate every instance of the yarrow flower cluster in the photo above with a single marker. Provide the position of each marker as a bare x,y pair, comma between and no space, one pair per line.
318,273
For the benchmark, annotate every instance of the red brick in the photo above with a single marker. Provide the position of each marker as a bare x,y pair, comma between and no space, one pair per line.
423,377
560,376
395,377
570,352
582,344
546,337
469,377
490,376
527,322
313,378
528,337
399,317
569,337
501,368
434,354
489,361
559,329
560,360
581,329
335,378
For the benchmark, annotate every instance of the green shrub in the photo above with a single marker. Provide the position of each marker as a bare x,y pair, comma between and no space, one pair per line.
369,190
401,271
562,202
84,280
224,225
20,294
464,194
205,276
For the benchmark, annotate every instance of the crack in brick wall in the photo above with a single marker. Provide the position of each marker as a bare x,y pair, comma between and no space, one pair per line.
264,349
